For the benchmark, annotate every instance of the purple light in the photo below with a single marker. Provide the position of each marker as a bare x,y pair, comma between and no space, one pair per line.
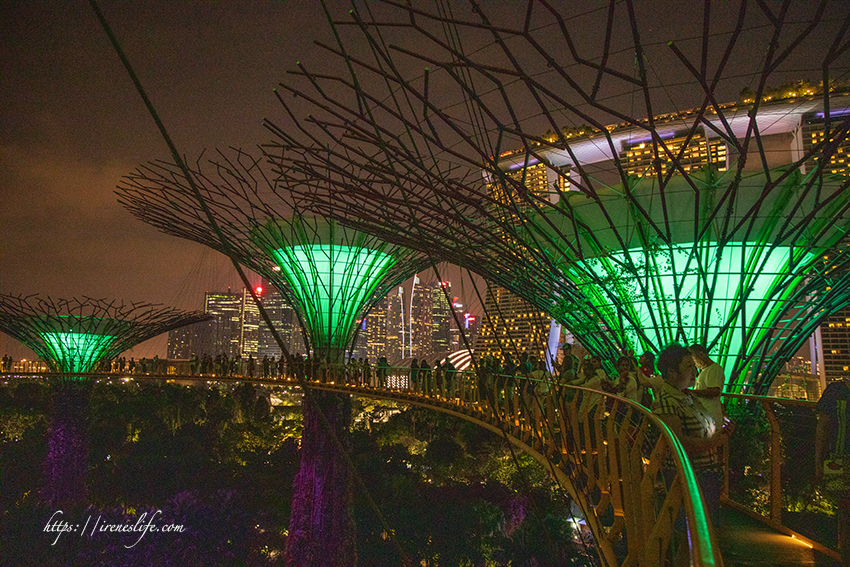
532,161
841,112
645,139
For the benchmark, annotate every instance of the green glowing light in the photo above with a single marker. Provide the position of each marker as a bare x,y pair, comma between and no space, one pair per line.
735,294
76,352
333,283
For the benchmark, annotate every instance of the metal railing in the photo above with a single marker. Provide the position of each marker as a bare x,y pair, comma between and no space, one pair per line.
770,467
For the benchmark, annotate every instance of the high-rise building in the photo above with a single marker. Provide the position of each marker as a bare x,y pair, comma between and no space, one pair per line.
226,328
274,306
249,335
442,319
638,157
285,322
376,330
464,337
420,319
832,341
511,325
396,328
189,340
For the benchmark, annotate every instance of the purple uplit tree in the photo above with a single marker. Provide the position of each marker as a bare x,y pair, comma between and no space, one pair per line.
72,336
330,274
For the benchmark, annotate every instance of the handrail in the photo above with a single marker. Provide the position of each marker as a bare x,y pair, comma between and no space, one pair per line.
775,518
611,455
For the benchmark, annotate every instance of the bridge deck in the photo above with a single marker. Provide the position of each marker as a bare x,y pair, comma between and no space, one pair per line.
744,542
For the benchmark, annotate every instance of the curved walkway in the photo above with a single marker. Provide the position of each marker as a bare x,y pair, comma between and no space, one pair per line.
623,467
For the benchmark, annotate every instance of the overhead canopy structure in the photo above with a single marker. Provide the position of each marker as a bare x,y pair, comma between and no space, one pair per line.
332,275
545,165
749,284
73,335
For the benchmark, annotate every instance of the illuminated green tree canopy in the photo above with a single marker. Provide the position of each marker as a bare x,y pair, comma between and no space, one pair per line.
332,275
546,166
73,335
747,287
331,270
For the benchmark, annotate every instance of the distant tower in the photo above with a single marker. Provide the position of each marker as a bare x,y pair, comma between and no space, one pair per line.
396,329
188,340
420,320
511,325
274,305
226,325
249,333
442,320
375,332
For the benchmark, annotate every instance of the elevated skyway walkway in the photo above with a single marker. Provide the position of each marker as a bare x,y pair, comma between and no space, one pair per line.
621,465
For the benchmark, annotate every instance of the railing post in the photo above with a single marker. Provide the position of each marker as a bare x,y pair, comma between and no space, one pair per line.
775,465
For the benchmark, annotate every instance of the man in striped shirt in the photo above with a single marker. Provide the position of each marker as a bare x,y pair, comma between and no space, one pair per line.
686,418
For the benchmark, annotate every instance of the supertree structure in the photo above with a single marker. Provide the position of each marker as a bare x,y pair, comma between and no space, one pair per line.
543,163
72,336
332,276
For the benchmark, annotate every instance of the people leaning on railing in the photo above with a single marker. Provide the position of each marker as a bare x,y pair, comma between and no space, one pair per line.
679,409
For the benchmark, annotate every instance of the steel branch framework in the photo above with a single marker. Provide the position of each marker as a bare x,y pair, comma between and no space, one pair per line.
696,225
331,274
73,335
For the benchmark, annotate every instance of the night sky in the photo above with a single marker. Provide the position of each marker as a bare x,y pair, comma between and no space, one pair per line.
72,123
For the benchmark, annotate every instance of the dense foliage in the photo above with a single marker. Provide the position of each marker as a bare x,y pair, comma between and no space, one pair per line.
220,461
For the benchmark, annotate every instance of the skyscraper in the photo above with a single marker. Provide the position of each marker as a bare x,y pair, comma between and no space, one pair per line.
376,330
189,340
226,329
511,325
396,329
285,322
441,316
420,319
830,345
249,335
274,305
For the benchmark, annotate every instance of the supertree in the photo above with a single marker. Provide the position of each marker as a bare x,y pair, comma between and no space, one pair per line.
542,164
332,276
72,336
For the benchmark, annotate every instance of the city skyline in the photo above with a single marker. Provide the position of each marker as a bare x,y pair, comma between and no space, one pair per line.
236,328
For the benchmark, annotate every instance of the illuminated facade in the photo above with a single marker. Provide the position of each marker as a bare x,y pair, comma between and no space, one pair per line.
376,330
225,336
442,319
834,343
638,157
396,328
510,324
420,319
371,339
249,334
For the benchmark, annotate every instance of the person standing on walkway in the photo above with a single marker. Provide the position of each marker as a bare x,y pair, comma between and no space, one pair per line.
383,366
414,374
687,419
709,383
626,384
832,455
